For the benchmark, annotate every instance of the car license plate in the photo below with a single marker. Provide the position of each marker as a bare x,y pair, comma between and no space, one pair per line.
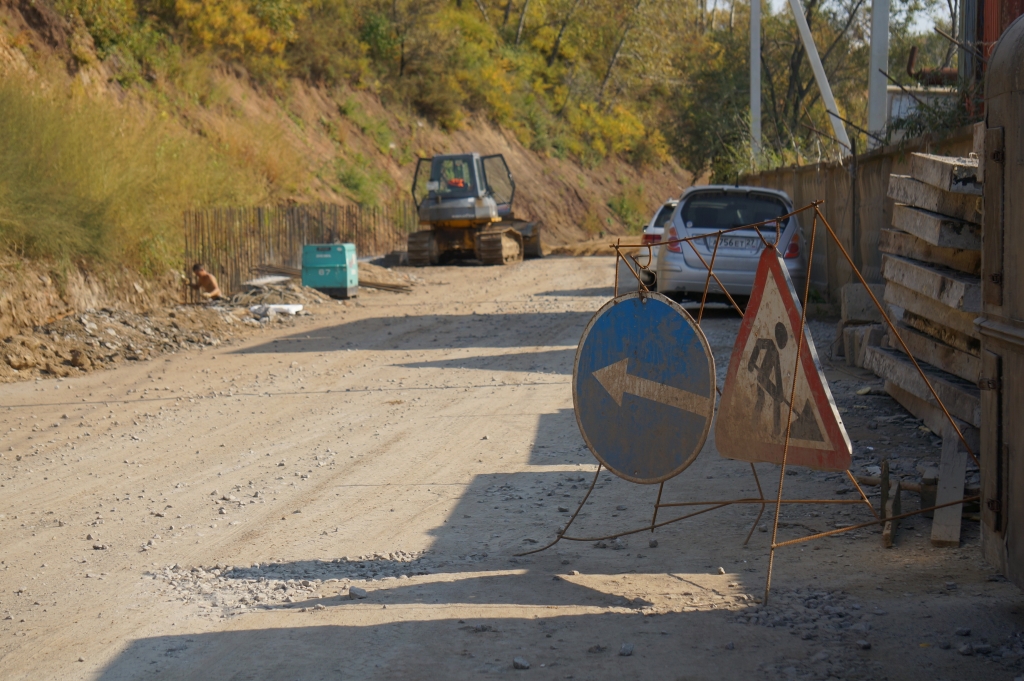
736,243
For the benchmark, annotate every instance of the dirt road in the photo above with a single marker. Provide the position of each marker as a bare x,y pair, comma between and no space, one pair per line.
203,515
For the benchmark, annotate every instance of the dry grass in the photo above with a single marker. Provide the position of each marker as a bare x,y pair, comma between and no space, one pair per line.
84,178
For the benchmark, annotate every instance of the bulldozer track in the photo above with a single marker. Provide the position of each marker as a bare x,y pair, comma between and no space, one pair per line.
423,250
499,247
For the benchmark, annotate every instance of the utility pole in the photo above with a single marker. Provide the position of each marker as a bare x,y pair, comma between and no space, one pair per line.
879,62
755,76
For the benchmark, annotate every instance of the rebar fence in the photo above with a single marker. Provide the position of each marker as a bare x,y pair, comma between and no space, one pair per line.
234,242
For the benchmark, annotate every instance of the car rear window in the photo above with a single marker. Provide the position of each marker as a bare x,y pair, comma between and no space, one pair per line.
663,215
724,210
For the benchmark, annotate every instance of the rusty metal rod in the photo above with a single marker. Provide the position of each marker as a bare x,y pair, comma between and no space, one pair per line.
565,529
862,495
657,505
766,502
892,327
707,280
760,494
812,204
645,528
618,254
792,401
840,530
717,280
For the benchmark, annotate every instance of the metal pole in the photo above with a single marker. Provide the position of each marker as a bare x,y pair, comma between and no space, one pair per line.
879,62
819,73
755,77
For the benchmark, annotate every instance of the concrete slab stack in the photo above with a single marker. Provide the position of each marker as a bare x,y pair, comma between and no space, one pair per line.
931,263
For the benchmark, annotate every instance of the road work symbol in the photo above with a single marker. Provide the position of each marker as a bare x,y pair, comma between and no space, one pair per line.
755,400
644,387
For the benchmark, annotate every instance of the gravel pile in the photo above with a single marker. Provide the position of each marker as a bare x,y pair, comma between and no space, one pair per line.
285,293
239,588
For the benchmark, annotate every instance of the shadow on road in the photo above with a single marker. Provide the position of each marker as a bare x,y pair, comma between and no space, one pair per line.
424,332
424,646
545,361
594,292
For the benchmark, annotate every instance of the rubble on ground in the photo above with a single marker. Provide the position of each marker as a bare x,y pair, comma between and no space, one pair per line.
234,589
374,276
95,339
288,292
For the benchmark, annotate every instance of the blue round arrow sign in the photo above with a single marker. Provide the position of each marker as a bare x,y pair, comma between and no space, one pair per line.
643,387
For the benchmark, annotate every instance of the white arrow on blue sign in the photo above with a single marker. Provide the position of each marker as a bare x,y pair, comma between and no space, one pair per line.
643,387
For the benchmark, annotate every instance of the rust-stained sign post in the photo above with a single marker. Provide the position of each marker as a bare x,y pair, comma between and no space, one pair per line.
644,387
755,404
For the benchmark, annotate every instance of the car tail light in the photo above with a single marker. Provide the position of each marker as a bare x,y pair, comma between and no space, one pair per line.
793,251
672,235
650,240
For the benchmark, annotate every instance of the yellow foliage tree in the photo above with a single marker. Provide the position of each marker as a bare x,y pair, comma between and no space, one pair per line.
242,29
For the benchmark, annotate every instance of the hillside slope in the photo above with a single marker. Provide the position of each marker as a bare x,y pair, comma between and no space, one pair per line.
96,172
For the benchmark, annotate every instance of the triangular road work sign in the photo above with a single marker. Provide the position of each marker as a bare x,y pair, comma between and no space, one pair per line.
755,400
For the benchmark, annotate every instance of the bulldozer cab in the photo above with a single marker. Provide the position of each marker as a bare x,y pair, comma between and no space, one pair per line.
464,176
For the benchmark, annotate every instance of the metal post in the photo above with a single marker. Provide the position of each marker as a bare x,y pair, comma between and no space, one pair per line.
755,77
819,74
879,62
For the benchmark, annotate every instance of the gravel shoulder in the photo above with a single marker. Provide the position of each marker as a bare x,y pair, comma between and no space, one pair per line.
207,513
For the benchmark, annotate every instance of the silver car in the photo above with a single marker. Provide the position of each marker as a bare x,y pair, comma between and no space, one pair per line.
710,208
654,230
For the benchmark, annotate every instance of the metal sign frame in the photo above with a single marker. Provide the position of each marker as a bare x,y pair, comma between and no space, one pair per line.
641,273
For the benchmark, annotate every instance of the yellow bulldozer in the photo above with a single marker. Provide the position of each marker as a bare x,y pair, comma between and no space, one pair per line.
464,203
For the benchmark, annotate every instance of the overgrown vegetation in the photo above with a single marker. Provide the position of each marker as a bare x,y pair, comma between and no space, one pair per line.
81,179
646,81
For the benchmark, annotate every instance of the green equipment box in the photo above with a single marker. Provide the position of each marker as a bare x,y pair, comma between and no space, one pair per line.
331,269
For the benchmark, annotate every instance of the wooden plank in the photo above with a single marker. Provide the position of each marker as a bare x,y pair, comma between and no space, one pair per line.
909,246
938,354
993,465
905,189
929,412
938,230
952,467
957,290
922,305
942,333
948,173
995,203
893,507
962,399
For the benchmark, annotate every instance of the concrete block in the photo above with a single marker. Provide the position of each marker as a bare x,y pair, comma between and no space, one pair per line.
929,412
957,290
936,229
931,309
905,189
909,246
938,354
962,399
856,306
948,173
952,467
856,340
940,332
